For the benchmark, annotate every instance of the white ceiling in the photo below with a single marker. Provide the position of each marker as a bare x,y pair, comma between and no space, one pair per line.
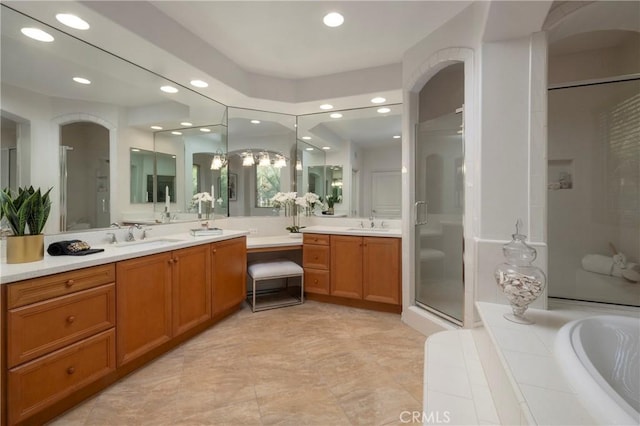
287,39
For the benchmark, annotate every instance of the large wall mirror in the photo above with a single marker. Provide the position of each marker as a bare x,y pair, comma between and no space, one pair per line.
260,160
72,110
356,155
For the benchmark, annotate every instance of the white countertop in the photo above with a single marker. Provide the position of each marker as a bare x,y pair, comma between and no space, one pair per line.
343,230
274,241
55,264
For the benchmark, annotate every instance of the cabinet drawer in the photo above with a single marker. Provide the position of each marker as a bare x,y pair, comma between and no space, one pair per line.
315,239
39,289
316,281
40,328
40,383
316,257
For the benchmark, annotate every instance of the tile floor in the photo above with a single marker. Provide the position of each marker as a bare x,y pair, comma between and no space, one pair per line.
311,364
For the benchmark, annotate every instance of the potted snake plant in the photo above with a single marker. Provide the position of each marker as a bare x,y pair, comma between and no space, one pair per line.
26,214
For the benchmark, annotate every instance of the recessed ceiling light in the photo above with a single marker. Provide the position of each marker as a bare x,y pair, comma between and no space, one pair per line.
326,106
37,34
81,80
199,83
135,150
384,110
378,100
72,21
255,121
326,148
309,149
306,138
176,133
173,156
169,89
204,129
336,115
186,123
396,137
156,127
333,19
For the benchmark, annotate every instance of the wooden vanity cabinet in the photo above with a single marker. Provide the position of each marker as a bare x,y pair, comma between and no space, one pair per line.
229,265
71,334
316,260
60,337
161,296
353,270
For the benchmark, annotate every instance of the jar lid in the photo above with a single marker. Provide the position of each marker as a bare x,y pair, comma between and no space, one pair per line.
517,251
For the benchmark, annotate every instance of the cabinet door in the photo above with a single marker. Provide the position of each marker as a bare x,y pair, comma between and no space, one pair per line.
143,303
191,287
229,273
346,266
381,268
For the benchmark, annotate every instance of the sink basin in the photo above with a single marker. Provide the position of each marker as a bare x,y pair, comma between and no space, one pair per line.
159,242
368,229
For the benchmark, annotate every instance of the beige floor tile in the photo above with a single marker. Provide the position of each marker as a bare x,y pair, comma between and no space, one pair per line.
311,364
312,407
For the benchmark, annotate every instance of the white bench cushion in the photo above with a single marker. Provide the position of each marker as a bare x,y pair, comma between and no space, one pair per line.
274,269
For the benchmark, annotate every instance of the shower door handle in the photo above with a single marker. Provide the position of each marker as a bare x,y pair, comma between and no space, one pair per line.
416,209
104,206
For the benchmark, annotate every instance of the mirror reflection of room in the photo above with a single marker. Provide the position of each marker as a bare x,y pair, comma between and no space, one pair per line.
362,173
262,147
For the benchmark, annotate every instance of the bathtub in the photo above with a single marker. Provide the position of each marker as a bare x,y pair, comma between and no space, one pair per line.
600,358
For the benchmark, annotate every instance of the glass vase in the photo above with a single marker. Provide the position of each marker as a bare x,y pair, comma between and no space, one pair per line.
520,281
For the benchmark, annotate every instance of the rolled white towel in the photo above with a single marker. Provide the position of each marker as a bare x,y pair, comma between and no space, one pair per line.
598,263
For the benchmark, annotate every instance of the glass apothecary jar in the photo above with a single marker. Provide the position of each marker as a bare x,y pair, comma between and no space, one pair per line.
520,281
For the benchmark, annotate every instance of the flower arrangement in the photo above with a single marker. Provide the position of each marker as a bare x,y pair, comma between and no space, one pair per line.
202,197
292,205
308,201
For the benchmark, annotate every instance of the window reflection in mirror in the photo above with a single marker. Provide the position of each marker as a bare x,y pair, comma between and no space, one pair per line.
261,160
366,144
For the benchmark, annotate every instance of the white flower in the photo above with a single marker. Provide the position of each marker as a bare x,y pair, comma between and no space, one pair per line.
202,196
284,198
301,201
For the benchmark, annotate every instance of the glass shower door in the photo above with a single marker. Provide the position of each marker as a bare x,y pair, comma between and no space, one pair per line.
439,192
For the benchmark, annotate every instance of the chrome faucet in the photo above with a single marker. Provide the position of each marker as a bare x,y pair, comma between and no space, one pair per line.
130,236
372,218
113,239
115,225
144,233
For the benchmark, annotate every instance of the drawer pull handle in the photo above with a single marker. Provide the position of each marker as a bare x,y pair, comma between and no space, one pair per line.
315,281
214,251
71,370
71,319
175,260
69,283
170,261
